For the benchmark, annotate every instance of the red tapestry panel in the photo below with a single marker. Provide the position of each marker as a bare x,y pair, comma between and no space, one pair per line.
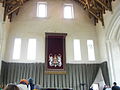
55,53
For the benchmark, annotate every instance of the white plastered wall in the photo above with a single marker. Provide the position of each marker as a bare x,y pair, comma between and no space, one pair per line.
0,31
26,25
4,30
109,37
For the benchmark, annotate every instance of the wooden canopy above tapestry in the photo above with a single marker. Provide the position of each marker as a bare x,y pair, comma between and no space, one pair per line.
55,53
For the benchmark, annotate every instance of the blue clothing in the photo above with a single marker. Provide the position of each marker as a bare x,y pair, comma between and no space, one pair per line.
31,86
91,89
30,80
115,88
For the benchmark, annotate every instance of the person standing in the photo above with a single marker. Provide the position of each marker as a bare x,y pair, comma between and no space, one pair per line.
115,87
30,80
23,85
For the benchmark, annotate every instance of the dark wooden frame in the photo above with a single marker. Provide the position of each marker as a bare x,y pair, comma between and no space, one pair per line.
55,71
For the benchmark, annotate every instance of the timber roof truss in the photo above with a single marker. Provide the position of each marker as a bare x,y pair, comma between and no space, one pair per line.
94,8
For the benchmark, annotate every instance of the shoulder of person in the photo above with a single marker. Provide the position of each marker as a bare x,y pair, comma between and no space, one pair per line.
37,86
22,87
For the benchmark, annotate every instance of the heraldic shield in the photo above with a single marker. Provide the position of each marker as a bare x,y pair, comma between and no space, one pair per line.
55,54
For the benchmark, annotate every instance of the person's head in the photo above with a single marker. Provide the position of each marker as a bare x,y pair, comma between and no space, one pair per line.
11,87
114,83
24,81
30,80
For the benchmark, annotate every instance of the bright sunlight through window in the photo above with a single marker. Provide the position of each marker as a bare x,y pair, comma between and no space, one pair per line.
68,11
77,51
42,9
17,48
31,54
91,53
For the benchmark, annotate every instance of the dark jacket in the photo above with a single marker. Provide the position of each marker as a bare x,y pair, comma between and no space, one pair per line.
115,88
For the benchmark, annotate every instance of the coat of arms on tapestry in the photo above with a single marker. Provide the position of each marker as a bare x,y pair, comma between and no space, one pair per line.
55,53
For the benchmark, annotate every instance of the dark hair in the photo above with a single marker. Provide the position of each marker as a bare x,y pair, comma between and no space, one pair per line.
115,83
11,87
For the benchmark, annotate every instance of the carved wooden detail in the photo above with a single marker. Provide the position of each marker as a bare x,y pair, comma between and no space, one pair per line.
11,7
94,8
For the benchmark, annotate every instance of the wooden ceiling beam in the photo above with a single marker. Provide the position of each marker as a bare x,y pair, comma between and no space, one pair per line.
13,10
95,8
110,5
9,1
11,7
93,13
17,11
87,3
21,1
103,4
99,8
82,2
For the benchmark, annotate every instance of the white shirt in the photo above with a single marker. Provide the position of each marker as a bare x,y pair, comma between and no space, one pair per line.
22,87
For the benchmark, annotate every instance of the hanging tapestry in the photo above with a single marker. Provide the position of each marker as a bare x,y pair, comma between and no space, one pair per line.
55,53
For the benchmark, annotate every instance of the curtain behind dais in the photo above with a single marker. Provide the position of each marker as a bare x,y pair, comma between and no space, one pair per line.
105,73
78,76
